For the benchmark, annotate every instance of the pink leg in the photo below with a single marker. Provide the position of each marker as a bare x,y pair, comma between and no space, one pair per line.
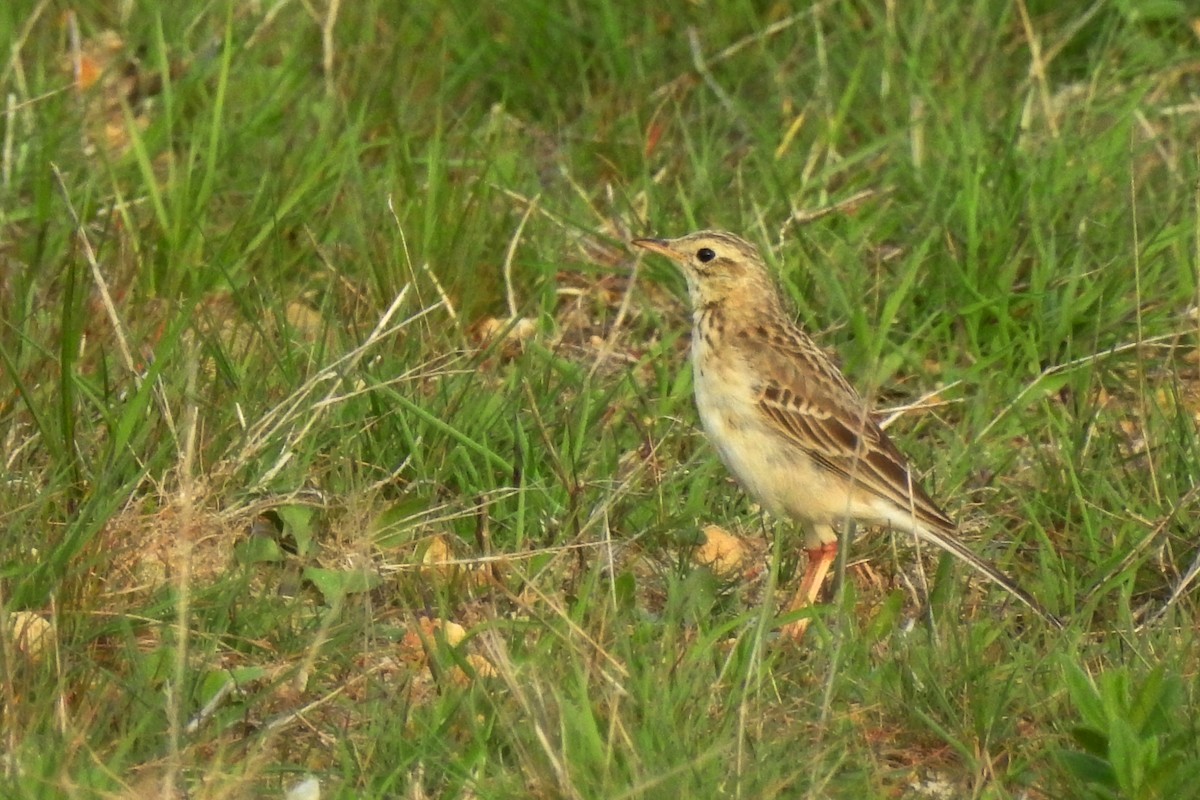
820,559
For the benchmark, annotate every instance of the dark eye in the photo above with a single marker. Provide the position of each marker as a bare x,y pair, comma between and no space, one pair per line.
705,255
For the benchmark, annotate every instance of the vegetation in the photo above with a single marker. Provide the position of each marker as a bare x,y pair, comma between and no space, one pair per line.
345,437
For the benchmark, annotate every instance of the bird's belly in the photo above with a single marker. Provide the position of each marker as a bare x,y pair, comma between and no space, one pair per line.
766,467
780,476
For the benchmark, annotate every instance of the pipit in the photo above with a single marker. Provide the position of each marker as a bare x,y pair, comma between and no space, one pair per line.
786,422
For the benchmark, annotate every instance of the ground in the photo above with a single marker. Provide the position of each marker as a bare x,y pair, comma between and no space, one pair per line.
345,436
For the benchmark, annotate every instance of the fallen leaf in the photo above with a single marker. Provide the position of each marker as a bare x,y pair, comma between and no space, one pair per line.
31,633
509,334
722,552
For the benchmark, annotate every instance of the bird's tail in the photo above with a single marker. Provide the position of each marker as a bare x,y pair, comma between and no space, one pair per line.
951,544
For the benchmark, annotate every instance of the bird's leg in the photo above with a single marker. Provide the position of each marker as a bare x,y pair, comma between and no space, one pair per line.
820,559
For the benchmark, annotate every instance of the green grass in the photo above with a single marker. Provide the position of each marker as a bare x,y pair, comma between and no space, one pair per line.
243,396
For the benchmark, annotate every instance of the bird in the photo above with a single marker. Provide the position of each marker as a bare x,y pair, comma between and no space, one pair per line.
789,426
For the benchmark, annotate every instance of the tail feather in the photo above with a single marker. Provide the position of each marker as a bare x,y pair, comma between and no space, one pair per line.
950,543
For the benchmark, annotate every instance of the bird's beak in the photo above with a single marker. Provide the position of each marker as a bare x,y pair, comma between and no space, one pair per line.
660,246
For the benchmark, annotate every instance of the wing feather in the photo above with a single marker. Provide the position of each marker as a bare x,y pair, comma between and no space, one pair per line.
806,398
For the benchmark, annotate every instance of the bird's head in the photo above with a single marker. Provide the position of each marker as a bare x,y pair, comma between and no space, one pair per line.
719,267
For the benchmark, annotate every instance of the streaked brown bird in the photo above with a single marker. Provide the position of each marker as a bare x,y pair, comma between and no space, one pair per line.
786,422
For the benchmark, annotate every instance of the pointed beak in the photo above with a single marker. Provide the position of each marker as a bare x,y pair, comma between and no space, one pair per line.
660,246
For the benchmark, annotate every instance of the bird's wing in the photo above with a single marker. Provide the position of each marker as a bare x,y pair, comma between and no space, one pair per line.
804,396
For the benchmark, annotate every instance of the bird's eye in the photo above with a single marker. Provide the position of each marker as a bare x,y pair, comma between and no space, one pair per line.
705,255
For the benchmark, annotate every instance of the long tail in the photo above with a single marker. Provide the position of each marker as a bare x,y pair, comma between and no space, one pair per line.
950,543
